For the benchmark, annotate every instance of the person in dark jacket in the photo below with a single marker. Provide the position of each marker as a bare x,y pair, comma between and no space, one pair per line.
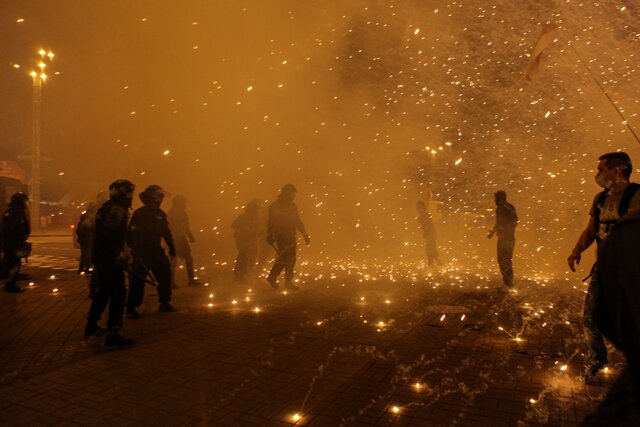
617,316
15,232
182,236
283,224
246,229
505,228
109,263
147,229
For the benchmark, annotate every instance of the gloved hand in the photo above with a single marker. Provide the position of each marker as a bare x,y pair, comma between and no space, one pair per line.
491,233
307,239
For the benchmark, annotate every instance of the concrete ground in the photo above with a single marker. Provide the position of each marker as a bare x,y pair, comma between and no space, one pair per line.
353,347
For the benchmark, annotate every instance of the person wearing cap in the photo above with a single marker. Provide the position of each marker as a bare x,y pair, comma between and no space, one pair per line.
283,224
147,229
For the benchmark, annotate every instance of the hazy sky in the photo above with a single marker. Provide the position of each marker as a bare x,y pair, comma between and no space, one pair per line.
341,98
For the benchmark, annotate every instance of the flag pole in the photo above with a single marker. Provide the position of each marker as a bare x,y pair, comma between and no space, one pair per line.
624,119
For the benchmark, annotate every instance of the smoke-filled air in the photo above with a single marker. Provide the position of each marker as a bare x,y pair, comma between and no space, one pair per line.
365,107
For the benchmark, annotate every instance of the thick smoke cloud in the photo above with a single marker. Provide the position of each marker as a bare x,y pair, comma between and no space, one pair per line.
367,106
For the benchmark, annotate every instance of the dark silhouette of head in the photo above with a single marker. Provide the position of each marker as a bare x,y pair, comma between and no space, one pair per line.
288,192
500,197
121,192
152,196
19,201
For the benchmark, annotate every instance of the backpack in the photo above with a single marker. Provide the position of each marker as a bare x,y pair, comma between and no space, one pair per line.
628,194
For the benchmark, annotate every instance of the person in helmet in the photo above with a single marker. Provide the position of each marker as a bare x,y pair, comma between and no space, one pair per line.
182,235
246,229
147,229
283,224
109,264
15,232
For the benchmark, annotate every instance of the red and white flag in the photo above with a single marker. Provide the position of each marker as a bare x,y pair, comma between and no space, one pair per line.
550,33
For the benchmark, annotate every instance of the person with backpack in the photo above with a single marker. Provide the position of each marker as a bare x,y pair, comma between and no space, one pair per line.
505,228
609,206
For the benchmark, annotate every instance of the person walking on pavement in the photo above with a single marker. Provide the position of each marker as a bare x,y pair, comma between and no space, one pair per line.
429,233
182,236
282,226
618,197
109,264
246,229
147,229
505,228
15,232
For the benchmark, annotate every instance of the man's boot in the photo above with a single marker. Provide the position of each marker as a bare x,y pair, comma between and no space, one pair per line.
115,341
166,307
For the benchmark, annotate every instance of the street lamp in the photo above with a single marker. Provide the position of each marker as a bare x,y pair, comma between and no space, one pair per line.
39,77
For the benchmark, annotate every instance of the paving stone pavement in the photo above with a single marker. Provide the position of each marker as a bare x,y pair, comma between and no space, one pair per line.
396,350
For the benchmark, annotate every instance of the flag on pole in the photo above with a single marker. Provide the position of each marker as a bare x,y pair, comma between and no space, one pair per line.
548,35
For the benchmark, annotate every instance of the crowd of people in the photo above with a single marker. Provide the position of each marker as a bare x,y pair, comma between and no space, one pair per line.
115,243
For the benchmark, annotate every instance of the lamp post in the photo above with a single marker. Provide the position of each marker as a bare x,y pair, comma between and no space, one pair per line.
39,77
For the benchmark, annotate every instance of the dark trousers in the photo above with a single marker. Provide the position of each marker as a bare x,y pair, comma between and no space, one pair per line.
159,265
285,259
111,290
593,337
246,259
183,250
505,258
85,257
432,252
12,265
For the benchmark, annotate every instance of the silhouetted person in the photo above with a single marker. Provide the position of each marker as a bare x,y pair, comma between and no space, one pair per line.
147,229
429,233
283,224
109,263
15,232
505,228
618,197
246,229
85,231
182,235
617,315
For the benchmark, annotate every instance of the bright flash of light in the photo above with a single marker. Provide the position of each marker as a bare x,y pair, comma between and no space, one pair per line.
395,409
533,401
563,367
458,162
442,317
55,290
166,152
296,417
